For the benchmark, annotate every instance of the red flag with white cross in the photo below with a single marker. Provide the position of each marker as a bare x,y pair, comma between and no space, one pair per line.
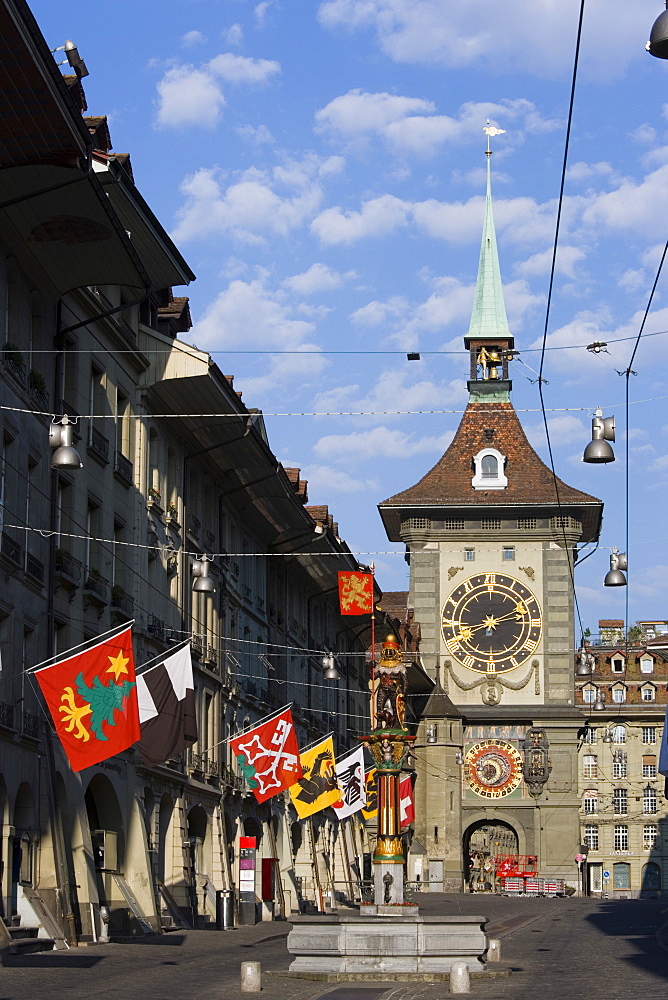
268,755
355,593
92,698
406,804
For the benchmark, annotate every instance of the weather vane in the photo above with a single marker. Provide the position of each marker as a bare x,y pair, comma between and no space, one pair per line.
491,130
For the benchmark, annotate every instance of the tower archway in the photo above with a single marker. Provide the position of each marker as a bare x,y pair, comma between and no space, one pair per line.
483,841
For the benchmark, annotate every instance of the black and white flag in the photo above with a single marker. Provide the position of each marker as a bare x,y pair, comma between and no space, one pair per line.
167,707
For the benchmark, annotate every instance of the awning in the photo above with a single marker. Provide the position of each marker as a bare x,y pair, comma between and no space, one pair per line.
68,227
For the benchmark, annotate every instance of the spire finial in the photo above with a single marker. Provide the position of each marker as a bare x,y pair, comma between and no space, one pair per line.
489,131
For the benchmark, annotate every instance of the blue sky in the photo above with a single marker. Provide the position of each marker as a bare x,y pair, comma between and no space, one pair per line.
321,167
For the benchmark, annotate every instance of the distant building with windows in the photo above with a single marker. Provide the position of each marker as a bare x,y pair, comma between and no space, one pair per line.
623,811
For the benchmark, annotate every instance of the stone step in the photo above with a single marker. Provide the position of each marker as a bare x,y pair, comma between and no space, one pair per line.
30,945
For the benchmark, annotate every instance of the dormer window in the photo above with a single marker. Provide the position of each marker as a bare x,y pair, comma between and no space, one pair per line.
646,664
618,664
489,473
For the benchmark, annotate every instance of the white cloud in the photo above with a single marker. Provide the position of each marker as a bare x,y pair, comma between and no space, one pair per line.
632,206
188,96
586,171
242,69
192,38
318,278
234,35
359,112
523,36
540,263
258,136
249,314
323,480
377,217
261,12
381,442
564,430
253,205
409,127
644,133
402,387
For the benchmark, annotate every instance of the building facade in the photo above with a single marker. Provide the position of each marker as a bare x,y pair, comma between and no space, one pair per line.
622,801
175,471
492,538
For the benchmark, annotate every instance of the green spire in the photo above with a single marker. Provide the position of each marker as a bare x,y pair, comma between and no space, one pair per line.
488,318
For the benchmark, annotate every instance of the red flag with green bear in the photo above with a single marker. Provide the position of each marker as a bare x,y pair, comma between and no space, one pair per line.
92,698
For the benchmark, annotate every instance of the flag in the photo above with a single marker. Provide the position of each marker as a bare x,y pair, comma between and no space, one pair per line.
371,788
92,698
268,755
166,696
355,593
350,778
663,752
317,788
406,804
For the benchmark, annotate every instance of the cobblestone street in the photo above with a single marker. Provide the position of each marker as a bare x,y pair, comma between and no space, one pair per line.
555,948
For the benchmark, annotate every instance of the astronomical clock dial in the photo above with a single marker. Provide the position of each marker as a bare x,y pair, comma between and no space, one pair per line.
493,768
491,623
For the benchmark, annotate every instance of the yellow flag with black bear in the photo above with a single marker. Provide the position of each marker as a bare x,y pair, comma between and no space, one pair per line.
371,808
317,788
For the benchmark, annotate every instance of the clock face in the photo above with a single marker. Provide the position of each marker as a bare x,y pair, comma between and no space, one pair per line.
491,623
493,768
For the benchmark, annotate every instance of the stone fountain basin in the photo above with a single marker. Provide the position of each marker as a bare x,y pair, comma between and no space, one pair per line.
386,942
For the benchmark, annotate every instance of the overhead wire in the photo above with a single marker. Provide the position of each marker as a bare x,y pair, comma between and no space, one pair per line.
541,380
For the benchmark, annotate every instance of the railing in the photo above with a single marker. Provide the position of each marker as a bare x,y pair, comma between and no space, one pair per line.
122,601
202,763
34,568
155,626
196,645
194,525
231,778
15,364
210,656
6,715
246,591
10,549
98,444
123,468
31,725
96,586
68,567
39,393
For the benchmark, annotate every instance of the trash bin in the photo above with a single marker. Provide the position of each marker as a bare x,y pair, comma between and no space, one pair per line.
224,909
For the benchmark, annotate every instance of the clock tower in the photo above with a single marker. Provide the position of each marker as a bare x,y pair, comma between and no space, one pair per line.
491,538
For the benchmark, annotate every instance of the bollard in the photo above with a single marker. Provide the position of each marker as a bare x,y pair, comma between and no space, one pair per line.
494,950
251,977
460,981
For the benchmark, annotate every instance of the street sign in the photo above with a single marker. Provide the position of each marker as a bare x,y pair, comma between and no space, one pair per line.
579,858
606,874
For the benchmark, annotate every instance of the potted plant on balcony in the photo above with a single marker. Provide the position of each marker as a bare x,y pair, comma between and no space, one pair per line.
172,514
154,498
